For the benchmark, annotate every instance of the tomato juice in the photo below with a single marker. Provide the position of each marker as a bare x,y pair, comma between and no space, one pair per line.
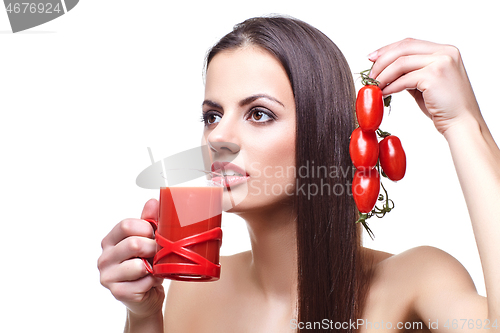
188,211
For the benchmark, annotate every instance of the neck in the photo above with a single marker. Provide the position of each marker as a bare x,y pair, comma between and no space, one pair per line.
274,252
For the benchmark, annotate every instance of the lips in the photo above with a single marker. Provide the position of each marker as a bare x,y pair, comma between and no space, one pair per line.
231,174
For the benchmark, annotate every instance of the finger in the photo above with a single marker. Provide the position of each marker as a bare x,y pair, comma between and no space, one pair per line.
412,83
388,54
401,66
406,82
150,210
412,44
134,291
132,247
129,270
129,248
127,228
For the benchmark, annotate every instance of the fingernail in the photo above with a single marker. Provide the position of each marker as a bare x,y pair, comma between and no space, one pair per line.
373,56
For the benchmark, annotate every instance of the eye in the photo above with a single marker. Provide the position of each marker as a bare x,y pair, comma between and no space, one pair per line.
210,118
260,115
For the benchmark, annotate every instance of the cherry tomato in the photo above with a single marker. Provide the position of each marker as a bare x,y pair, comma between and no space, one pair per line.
363,149
369,107
365,189
392,157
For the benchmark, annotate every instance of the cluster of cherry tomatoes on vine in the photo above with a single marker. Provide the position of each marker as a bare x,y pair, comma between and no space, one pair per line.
371,157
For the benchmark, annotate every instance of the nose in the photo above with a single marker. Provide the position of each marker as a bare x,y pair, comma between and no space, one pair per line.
223,138
221,147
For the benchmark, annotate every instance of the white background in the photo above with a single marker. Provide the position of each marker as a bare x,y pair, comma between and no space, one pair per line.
83,96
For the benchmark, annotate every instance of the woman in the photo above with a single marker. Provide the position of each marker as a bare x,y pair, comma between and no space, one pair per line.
282,92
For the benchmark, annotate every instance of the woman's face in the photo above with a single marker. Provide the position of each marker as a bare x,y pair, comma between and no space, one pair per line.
249,115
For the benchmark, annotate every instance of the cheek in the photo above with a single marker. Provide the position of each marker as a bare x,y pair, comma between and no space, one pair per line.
284,149
276,150
276,159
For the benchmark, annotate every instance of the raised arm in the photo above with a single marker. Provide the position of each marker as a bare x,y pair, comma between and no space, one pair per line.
477,162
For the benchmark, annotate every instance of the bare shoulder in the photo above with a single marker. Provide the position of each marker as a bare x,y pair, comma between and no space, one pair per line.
188,304
424,264
421,282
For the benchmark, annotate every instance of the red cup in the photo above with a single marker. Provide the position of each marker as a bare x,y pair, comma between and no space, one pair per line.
188,234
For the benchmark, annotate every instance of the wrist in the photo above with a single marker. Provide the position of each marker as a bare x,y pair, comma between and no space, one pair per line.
462,128
142,323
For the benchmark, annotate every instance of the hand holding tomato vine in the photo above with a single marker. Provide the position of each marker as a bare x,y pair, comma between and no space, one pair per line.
433,74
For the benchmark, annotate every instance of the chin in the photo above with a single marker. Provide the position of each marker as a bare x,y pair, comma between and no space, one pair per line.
234,198
248,197
257,204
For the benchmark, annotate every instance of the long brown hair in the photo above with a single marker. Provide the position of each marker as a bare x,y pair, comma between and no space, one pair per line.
330,278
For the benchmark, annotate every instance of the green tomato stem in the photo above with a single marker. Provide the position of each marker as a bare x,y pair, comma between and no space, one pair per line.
366,79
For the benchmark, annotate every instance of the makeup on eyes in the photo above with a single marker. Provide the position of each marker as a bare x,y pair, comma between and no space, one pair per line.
258,109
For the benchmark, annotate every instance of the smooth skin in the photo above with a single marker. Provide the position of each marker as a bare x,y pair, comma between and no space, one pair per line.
257,289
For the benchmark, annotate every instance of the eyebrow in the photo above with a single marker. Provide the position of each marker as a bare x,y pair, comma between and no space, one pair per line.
252,98
243,102
211,104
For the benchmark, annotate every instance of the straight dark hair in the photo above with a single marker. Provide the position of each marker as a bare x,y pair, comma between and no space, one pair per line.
331,279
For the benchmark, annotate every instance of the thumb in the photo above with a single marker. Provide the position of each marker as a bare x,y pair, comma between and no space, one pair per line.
420,101
150,210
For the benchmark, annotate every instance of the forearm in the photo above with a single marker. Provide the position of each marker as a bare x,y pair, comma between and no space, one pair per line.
152,324
477,162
